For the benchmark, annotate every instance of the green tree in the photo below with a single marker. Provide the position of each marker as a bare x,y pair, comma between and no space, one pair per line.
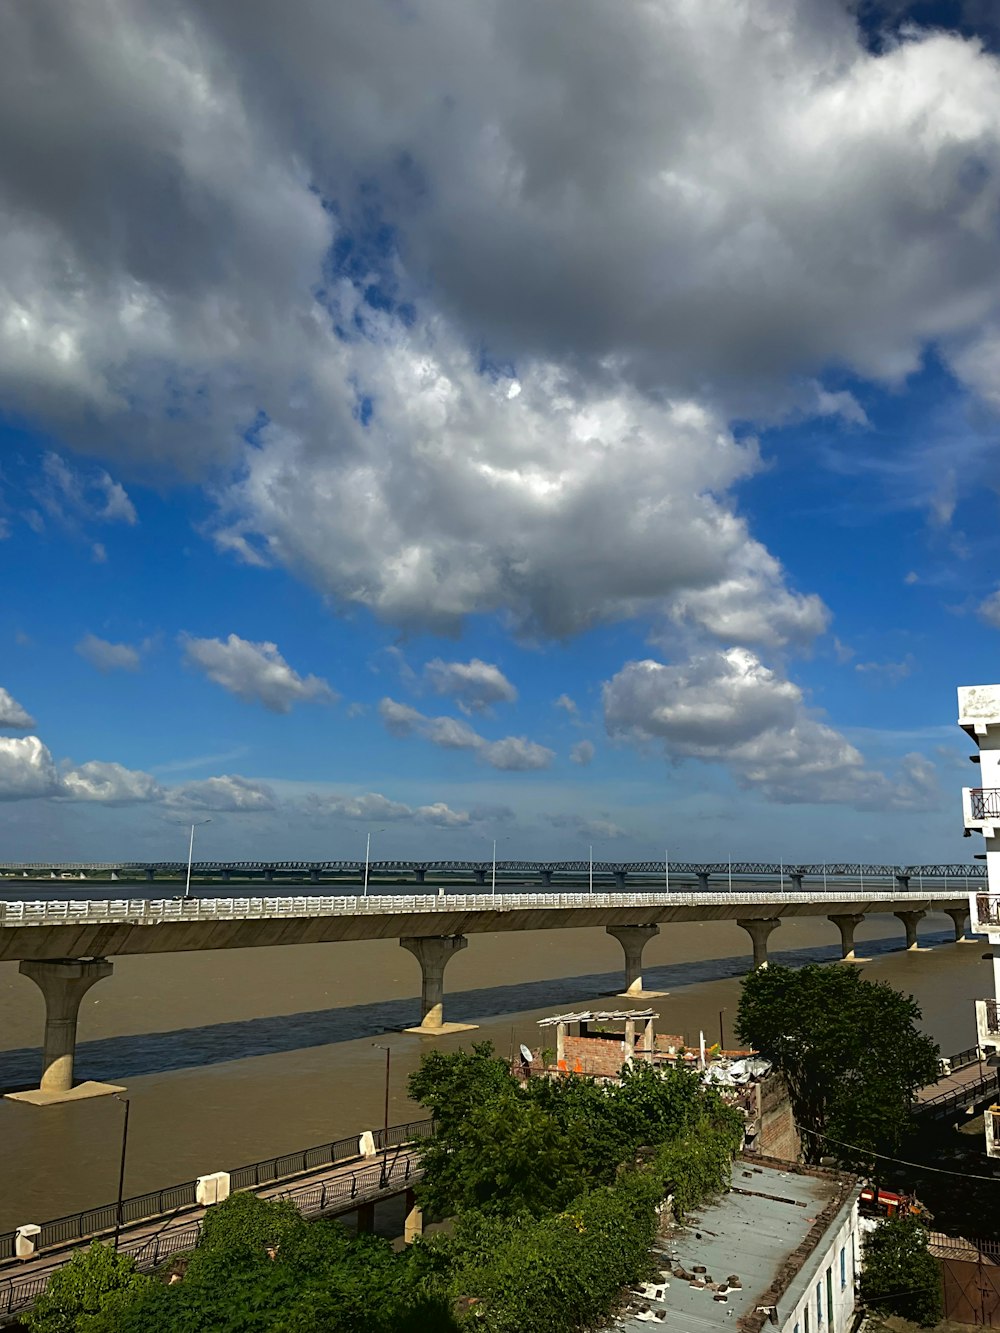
898,1275
849,1050
95,1282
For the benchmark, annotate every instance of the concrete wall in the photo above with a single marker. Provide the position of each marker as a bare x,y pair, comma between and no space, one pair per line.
776,1132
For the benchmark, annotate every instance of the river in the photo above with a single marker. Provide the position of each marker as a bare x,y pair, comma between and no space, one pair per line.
233,1056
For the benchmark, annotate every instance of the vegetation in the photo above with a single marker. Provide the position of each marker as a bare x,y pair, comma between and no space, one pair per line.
899,1275
849,1050
94,1284
554,1189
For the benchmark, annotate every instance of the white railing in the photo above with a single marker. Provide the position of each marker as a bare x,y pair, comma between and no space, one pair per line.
144,912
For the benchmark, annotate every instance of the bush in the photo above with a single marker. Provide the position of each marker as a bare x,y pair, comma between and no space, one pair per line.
95,1283
898,1275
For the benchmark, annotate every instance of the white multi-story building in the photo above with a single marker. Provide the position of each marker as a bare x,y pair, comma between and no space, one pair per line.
979,715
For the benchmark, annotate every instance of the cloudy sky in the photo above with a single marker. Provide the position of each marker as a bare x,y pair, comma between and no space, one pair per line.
570,423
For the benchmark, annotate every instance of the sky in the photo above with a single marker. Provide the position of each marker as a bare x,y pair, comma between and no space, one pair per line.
572,425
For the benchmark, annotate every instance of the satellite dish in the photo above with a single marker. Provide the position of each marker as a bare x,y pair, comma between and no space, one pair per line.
526,1055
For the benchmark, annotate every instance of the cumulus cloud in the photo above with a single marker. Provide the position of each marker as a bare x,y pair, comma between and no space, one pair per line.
27,769
374,808
989,609
728,707
106,656
475,686
568,705
109,783
73,495
12,715
230,794
512,753
256,672
582,753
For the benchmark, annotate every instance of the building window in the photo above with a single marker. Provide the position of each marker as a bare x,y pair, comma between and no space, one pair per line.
829,1296
806,1314
843,1267
819,1305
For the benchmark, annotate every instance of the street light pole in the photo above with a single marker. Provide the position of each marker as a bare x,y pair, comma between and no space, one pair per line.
368,847
187,886
385,1119
121,1172
591,867
494,867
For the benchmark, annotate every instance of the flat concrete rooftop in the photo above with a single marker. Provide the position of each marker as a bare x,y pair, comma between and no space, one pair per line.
750,1234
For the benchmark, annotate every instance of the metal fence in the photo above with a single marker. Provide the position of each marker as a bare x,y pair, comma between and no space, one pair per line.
146,912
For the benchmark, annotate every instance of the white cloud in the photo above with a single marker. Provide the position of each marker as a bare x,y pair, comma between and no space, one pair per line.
989,609
256,672
12,715
582,753
729,708
231,794
889,673
475,686
568,705
73,495
512,753
106,656
109,783
27,769
374,808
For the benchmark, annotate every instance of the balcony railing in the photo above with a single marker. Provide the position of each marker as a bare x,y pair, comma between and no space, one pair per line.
987,909
992,1017
985,802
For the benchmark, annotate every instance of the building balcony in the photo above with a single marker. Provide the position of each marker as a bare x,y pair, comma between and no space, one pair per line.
988,1025
984,913
981,809
992,1119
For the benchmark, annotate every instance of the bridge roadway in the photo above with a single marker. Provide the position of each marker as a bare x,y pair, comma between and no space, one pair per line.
65,946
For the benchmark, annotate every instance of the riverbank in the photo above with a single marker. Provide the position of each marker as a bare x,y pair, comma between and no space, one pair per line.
231,1057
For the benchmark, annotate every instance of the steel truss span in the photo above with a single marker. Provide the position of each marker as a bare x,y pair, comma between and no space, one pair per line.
505,869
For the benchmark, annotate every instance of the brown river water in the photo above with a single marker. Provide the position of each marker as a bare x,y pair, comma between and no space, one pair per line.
237,1055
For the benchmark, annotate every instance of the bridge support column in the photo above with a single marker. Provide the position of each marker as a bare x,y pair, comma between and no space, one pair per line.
633,940
366,1218
226,874
796,877
413,1226
314,874
150,874
419,872
432,952
847,924
480,876
759,928
702,876
620,876
63,983
910,922
546,876
960,916
902,881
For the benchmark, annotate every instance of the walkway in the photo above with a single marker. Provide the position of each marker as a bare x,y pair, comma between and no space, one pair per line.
333,1190
971,1080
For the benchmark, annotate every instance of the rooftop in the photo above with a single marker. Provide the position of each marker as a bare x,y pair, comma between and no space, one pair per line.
597,1016
750,1234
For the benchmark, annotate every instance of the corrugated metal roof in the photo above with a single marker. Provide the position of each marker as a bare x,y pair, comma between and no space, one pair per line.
598,1016
744,1235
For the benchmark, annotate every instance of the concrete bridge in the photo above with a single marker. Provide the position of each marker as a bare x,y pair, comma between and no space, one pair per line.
65,946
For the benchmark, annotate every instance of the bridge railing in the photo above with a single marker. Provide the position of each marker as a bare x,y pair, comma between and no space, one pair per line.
142,911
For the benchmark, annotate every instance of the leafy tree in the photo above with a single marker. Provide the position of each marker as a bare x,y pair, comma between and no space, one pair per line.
898,1275
849,1050
95,1282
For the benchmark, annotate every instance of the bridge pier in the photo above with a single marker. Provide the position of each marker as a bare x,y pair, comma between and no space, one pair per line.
63,983
910,922
432,952
633,940
702,877
847,923
546,875
419,873
960,916
759,928
796,877
365,1213
480,876
413,1226
620,876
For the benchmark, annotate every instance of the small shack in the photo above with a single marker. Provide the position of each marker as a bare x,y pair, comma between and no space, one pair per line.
595,1047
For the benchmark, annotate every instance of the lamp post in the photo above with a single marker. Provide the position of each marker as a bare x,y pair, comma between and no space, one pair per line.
494,889
368,847
591,867
121,1172
385,1130
722,1035
197,823
666,869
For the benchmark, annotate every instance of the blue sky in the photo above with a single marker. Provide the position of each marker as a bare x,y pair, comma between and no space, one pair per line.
417,423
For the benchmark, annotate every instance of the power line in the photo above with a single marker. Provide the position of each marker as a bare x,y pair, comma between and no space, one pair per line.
900,1161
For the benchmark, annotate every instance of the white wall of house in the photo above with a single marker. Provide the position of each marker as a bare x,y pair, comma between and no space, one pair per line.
827,1303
